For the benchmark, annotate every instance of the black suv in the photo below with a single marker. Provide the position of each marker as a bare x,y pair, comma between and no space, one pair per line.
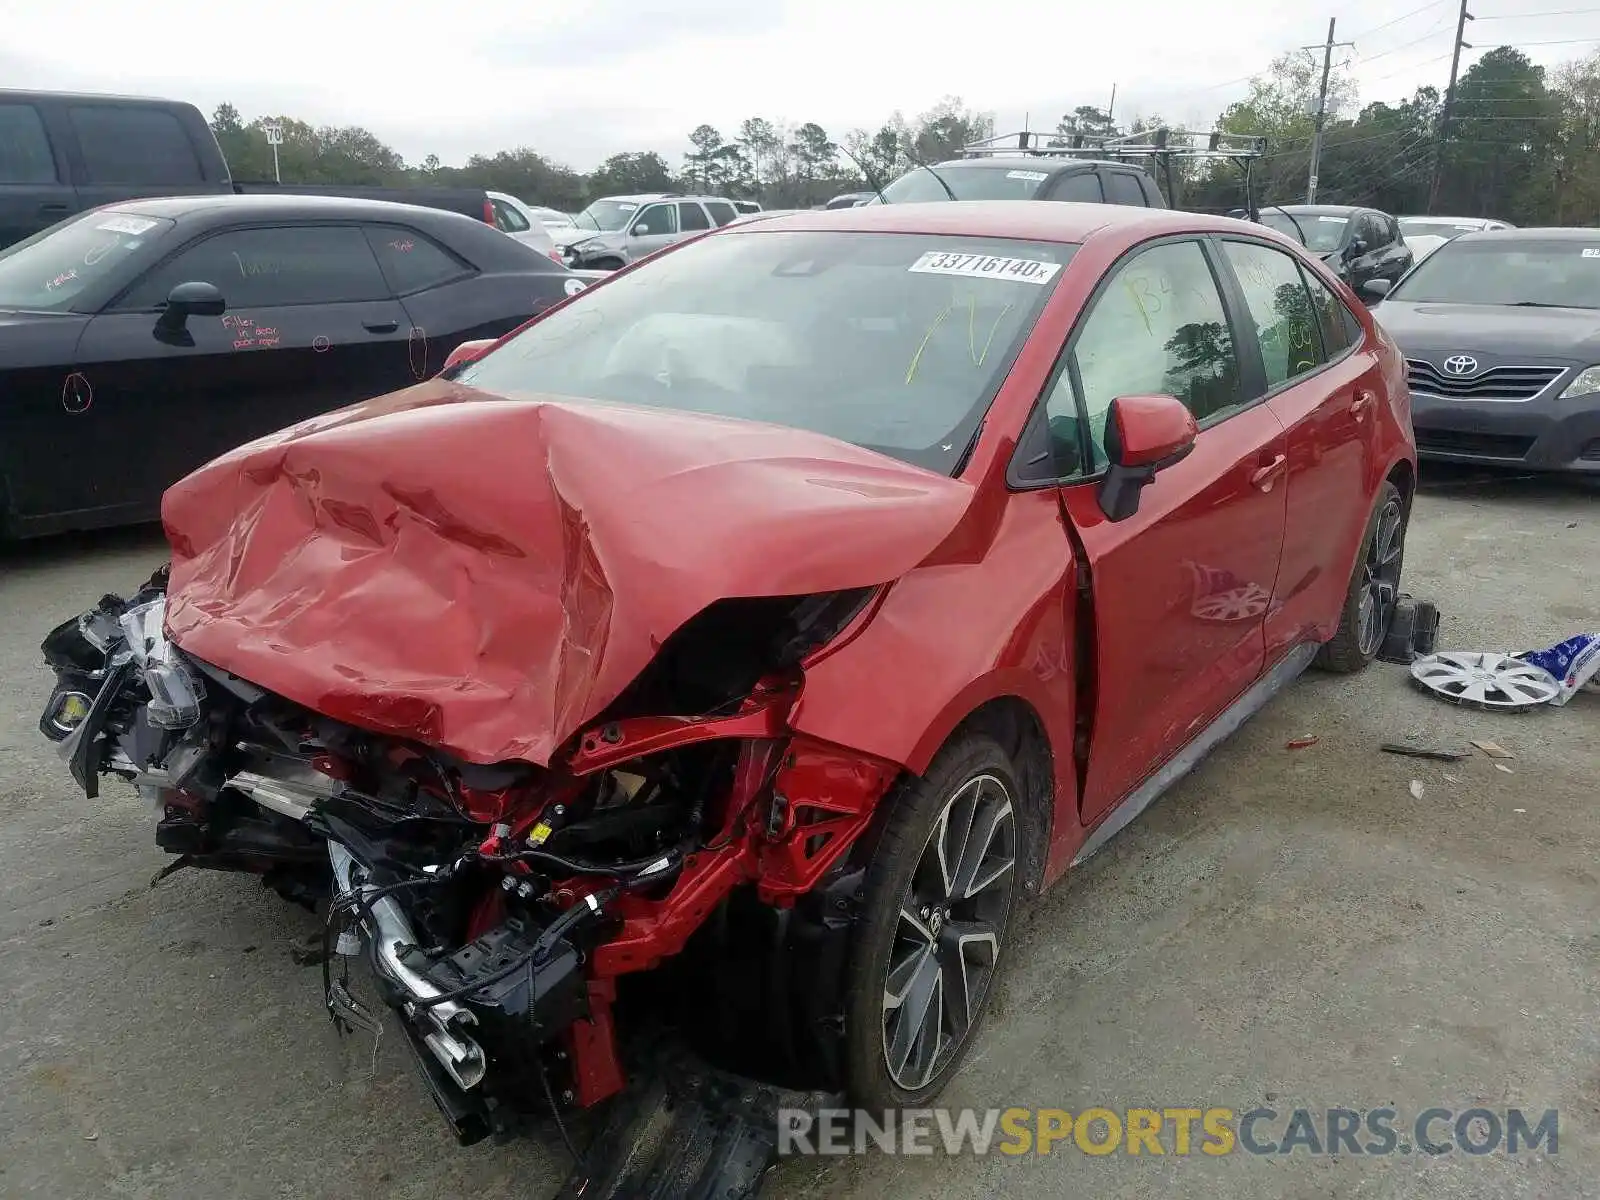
1027,177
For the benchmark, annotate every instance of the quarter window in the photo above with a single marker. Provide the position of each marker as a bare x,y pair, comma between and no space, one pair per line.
260,268
1158,326
25,155
1280,308
145,147
410,261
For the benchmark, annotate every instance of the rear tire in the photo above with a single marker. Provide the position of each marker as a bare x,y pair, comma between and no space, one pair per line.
1374,591
937,901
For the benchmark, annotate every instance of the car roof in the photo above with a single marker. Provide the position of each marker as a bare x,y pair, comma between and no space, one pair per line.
1316,210
279,204
87,97
1034,162
1553,233
1042,221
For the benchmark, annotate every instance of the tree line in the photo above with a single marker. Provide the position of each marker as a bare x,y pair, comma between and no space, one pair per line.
1520,143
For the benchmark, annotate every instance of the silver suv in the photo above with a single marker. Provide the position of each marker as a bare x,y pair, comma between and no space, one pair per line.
617,230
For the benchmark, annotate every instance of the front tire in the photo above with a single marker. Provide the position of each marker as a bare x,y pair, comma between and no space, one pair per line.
938,898
1374,591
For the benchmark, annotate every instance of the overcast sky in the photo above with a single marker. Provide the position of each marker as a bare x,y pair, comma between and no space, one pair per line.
581,79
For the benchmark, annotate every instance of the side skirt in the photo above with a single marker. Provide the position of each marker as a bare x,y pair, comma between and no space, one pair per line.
1284,672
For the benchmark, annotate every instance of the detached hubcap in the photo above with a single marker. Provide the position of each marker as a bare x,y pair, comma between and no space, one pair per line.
947,940
1380,579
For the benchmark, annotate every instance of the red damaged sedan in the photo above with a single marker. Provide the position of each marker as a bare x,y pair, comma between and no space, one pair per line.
741,642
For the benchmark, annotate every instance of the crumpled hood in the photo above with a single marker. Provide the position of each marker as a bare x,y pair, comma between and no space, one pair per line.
485,575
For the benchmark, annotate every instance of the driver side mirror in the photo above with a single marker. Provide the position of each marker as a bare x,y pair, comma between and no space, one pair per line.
1144,435
640,230
194,299
1357,248
465,353
1375,289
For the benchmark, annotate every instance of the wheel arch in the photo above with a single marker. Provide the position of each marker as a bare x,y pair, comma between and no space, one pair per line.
1015,724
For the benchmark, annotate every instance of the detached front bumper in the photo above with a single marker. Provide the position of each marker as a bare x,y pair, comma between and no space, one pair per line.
1543,434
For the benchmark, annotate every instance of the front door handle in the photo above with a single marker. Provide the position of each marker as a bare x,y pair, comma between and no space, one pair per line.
1262,477
50,206
380,326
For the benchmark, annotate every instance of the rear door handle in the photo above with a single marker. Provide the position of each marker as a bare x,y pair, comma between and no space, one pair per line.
1262,477
380,326
1358,406
54,206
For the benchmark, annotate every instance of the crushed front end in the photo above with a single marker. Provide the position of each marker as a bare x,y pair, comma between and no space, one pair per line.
510,912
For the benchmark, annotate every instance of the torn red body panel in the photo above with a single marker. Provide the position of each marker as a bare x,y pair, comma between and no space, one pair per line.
485,575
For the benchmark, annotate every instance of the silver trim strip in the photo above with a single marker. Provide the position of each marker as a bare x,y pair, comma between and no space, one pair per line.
1287,669
1560,373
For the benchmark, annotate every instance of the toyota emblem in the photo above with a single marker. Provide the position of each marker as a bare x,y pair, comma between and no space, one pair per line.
1461,364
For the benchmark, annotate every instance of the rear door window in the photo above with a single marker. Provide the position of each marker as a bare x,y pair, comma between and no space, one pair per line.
721,211
25,155
1080,186
692,217
145,147
261,268
410,261
1123,188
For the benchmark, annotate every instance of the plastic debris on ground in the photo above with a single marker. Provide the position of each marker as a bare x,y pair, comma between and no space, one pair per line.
1413,631
1301,743
1429,752
1574,664
1493,749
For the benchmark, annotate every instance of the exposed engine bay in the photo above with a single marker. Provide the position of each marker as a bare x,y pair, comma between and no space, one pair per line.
515,915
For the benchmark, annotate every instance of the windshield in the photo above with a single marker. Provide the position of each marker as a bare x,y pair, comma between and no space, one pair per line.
1467,271
1319,234
1444,229
606,216
967,182
894,342
46,272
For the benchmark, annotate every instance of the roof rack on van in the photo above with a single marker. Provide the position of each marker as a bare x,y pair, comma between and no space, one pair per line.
1163,145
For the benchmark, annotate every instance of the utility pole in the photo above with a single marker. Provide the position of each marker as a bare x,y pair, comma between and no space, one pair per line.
1444,112
1322,109
1111,125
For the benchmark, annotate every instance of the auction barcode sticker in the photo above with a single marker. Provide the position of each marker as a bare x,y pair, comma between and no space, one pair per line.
1033,176
985,266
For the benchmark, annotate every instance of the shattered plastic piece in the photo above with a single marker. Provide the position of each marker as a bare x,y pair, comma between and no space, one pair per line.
1575,663
1493,749
1417,789
1519,810
1422,752
1413,631
1301,743
1503,767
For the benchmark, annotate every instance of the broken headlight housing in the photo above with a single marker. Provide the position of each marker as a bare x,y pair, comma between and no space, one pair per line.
175,688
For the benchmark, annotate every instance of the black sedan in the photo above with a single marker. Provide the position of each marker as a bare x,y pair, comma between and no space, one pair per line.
140,340
1501,333
1360,244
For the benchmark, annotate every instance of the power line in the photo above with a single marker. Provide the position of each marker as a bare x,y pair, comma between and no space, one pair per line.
1549,42
1432,33
1560,12
1404,17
